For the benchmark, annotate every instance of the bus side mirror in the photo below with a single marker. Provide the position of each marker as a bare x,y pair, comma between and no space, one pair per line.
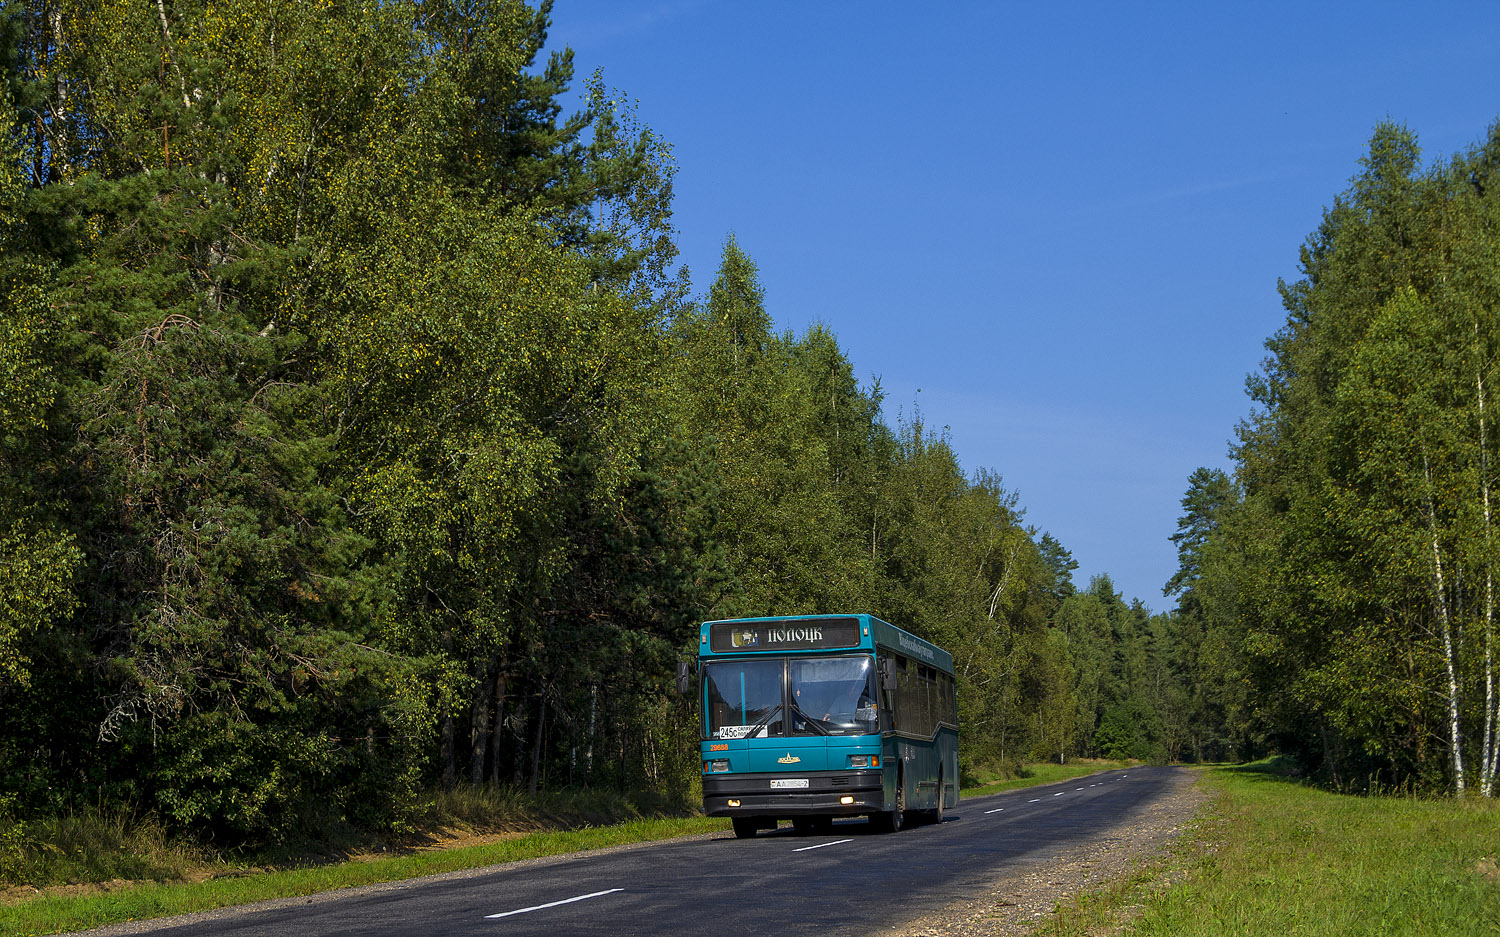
684,678
887,676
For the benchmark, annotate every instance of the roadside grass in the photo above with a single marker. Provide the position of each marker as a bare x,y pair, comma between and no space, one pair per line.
55,913
1042,773
96,845
110,854
1277,857
513,810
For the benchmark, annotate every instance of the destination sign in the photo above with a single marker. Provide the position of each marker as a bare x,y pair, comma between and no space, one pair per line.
916,647
793,634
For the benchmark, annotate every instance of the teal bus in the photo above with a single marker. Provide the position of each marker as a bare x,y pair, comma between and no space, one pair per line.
814,717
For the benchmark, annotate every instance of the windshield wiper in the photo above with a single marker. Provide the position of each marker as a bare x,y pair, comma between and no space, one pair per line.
764,720
809,720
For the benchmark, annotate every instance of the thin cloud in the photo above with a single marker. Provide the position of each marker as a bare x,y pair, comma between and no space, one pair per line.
1179,193
598,32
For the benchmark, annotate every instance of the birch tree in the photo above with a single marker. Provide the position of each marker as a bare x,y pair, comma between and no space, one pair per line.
1368,621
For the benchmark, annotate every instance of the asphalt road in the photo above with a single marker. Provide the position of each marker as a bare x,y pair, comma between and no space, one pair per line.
850,881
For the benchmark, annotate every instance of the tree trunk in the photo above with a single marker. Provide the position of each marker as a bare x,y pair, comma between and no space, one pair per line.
1450,659
1487,753
498,726
536,749
624,761
588,758
479,726
450,761
450,767
62,136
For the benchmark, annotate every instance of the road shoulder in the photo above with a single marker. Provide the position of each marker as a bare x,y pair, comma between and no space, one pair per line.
1015,903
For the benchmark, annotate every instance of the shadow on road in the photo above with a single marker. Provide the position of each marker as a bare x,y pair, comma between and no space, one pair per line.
850,827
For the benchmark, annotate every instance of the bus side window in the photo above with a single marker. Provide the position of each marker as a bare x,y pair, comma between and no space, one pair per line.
900,707
919,700
945,696
929,697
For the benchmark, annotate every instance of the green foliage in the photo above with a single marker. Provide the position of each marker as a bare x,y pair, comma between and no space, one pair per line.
36,571
1340,593
1060,564
756,402
1209,492
1131,729
357,436
1054,685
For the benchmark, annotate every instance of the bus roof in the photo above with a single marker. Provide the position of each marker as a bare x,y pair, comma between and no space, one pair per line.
822,633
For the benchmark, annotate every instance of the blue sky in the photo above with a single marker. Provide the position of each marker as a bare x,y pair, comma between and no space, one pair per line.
1055,229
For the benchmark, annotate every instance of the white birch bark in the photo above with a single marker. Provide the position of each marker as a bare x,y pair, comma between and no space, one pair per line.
61,136
1487,753
166,31
999,589
1456,741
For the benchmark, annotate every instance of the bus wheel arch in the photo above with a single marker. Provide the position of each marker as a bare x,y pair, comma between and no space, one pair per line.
892,820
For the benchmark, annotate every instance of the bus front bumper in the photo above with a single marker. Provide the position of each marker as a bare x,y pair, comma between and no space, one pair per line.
751,795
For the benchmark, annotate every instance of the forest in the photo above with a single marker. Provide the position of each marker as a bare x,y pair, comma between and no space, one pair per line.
1344,572
361,436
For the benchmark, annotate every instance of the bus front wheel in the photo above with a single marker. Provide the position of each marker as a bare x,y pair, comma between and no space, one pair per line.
744,827
892,820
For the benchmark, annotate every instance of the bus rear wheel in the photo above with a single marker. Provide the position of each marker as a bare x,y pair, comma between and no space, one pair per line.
744,827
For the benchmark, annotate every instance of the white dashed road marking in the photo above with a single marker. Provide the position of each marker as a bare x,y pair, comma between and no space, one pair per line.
821,845
996,810
553,904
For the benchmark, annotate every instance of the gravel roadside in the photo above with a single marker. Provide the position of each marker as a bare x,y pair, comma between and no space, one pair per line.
1015,903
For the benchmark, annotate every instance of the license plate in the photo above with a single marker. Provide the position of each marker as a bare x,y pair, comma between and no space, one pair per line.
785,783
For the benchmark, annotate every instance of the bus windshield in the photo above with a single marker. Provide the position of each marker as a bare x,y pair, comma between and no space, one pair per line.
744,698
833,695
825,696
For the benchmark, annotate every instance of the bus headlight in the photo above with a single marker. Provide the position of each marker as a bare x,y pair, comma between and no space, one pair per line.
718,764
864,761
